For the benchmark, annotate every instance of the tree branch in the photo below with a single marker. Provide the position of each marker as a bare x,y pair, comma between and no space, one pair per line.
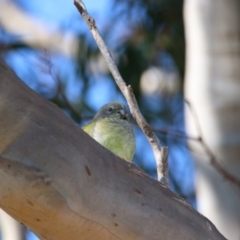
62,184
48,68
213,160
160,158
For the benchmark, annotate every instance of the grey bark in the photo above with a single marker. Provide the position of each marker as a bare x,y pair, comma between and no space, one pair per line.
212,87
63,185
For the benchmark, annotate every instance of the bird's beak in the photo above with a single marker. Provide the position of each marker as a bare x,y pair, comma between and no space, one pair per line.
124,114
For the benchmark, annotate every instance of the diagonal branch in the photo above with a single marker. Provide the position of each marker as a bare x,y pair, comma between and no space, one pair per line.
52,179
208,151
161,158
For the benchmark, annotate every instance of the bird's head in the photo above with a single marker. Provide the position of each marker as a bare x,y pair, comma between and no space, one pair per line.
113,110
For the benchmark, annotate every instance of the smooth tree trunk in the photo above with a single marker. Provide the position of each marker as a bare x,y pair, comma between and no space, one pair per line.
62,184
212,88
10,228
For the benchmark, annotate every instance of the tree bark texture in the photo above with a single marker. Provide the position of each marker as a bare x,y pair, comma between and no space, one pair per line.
63,185
212,87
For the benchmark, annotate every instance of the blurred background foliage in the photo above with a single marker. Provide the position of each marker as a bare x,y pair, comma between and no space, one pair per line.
147,42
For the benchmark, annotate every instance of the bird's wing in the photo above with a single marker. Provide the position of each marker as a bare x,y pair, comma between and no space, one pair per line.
89,128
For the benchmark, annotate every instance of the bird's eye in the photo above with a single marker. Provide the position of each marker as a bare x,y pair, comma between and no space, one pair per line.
110,109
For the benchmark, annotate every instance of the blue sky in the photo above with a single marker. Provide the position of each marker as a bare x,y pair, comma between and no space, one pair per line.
61,12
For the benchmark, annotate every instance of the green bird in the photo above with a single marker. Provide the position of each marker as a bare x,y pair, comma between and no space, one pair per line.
112,129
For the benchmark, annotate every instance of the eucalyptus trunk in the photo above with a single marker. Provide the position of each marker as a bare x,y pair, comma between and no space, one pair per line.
212,87
62,184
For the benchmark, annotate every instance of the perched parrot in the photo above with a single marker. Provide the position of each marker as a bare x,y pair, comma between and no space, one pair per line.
112,129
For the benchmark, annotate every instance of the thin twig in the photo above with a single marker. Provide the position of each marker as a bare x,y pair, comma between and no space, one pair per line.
175,133
48,69
126,90
207,150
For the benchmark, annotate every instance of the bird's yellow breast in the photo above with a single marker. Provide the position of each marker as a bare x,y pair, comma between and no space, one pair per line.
114,134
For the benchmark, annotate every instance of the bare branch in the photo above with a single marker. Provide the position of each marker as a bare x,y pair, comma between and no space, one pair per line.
47,68
126,91
52,179
207,150
175,132
162,168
